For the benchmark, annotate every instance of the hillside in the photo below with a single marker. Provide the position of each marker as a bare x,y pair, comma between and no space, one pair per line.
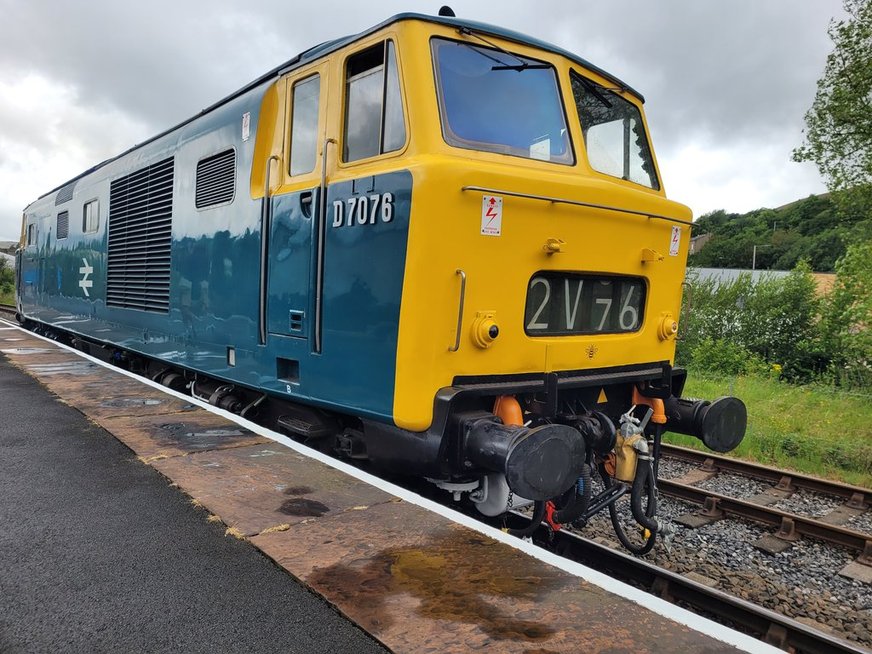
810,229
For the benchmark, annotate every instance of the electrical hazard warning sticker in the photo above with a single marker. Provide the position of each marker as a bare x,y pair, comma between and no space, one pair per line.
675,243
491,215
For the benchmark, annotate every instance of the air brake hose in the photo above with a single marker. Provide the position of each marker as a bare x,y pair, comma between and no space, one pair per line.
535,521
644,474
580,501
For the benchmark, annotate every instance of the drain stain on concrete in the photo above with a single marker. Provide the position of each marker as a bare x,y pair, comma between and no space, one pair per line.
298,490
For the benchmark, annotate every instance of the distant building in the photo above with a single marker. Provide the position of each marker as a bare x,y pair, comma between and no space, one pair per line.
8,247
698,242
824,281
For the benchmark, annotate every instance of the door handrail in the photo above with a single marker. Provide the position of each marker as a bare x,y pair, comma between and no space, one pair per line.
319,257
264,252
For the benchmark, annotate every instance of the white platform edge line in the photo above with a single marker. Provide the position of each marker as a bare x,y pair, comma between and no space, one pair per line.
659,606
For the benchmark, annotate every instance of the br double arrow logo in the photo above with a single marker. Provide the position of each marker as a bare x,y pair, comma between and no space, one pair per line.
85,271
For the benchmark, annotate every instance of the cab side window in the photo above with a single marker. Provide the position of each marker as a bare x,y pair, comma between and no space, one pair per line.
91,216
373,107
304,125
31,234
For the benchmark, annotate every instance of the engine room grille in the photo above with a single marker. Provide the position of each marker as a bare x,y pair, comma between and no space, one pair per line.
63,226
140,236
216,179
65,194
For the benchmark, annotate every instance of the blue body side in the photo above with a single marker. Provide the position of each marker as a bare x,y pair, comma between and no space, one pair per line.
214,281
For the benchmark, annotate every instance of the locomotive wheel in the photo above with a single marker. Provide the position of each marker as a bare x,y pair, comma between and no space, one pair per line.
632,535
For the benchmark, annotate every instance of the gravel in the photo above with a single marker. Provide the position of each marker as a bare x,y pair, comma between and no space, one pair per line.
674,468
802,582
861,522
808,503
734,485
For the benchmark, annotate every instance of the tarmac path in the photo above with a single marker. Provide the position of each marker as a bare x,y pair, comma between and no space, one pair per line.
98,553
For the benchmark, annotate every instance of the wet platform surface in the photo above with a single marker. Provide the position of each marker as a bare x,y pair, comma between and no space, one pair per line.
416,581
99,553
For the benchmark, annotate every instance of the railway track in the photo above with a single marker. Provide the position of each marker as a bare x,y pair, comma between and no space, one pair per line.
769,626
7,311
790,526
785,480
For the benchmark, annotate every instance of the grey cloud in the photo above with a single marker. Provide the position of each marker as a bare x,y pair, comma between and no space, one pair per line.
735,70
727,75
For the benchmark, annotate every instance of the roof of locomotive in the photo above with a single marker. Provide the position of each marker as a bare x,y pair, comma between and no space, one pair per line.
327,47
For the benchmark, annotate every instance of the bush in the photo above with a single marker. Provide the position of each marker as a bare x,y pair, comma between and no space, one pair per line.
727,357
7,281
775,320
6,271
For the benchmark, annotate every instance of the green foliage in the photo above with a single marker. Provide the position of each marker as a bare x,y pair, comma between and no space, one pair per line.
7,283
814,229
846,323
727,358
756,326
780,327
838,135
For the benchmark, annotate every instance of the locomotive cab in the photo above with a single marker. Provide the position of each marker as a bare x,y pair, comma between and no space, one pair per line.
543,263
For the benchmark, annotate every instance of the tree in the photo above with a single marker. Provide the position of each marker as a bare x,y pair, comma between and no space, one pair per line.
838,134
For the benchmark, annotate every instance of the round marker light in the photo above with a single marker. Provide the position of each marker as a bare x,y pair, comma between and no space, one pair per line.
485,330
668,328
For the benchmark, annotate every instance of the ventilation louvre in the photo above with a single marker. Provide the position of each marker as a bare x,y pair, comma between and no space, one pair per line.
63,227
65,194
216,179
140,237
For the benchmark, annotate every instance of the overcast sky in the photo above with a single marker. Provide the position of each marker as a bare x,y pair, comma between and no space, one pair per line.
726,83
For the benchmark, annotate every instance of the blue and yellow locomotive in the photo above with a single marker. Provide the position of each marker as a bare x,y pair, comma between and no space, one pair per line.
437,245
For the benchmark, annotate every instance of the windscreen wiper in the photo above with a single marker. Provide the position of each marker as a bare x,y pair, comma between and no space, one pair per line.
524,65
590,86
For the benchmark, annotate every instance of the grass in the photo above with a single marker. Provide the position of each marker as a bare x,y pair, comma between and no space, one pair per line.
812,429
7,298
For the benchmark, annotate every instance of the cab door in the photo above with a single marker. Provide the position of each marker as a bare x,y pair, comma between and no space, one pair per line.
294,207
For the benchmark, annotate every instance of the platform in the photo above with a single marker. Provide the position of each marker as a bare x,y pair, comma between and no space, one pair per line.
416,577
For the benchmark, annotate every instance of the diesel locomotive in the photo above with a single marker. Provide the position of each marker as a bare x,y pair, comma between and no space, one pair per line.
438,245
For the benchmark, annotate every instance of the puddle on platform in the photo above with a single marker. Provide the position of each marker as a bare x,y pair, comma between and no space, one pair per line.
69,368
300,506
127,402
185,436
24,350
457,577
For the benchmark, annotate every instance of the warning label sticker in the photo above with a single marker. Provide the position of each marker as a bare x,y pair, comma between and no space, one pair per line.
491,215
246,125
675,243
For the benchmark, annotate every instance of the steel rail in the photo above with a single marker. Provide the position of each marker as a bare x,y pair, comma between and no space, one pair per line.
771,627
788,522
858,497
